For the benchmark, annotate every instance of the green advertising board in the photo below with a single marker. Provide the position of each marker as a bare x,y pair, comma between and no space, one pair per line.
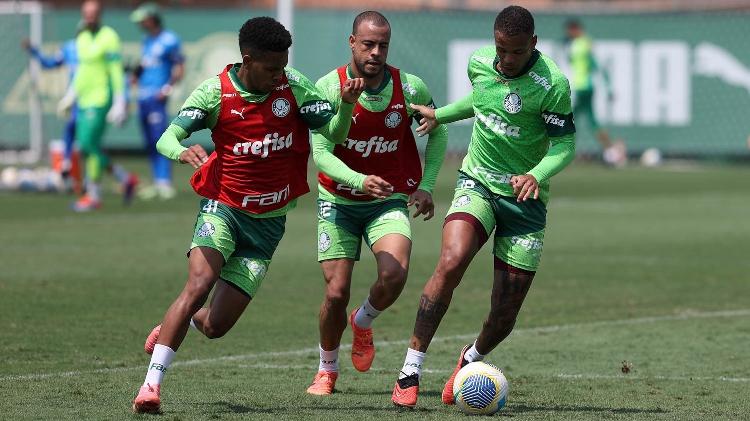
681,82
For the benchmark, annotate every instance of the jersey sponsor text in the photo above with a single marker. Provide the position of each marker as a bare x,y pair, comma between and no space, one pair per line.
271,142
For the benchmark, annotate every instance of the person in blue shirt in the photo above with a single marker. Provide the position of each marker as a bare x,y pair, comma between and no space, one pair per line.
160,67
64,56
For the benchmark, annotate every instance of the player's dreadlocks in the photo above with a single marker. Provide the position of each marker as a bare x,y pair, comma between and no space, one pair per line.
369,16
264,34
514,20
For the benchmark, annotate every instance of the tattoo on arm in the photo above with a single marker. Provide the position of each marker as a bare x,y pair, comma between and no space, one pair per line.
428,319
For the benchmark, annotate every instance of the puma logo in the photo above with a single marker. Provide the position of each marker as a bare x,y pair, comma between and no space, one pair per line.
354,118
239,113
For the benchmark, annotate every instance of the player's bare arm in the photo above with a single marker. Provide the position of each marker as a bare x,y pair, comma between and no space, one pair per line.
195,155
424,204
428,121
525,187
352,89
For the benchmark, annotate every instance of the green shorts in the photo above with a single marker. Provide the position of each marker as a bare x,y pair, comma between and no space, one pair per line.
342,227
247,243
91,123
584,105
519,227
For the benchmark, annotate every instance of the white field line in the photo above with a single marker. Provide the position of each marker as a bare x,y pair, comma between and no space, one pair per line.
687,315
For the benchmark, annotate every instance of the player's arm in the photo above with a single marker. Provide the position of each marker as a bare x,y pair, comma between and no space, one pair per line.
177,59
46,61
118,112
200,111
431,118
558,117
437,143
325,113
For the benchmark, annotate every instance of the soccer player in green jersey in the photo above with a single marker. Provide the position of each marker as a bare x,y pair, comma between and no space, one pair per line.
99,86
583,66
365,188
259,114
523,135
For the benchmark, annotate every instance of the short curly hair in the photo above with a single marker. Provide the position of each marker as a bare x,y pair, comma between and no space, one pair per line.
514,20
264,34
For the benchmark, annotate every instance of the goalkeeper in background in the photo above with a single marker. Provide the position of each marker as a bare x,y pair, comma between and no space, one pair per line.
583,65
99,86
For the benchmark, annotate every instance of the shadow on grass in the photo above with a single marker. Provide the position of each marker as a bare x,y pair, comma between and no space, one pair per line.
223,407
522,408
428,393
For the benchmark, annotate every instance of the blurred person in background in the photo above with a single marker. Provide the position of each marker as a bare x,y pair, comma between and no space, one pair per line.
99,86
161,66
355,202
583,67
66,107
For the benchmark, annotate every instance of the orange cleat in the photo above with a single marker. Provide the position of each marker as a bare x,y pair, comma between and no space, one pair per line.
406,390
448,388
151,340
363,350
323,383
86,204
148,400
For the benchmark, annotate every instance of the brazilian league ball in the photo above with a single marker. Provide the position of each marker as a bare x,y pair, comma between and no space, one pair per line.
480,389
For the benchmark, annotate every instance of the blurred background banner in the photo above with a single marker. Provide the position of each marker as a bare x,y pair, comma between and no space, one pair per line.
680,77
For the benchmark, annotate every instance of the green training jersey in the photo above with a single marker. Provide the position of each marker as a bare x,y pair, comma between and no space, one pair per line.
582,63
415,92
517,121
100,74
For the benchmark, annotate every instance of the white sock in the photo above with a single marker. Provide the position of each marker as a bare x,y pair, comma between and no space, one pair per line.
366,314
472,354
329,360
92,190
412,363
160,361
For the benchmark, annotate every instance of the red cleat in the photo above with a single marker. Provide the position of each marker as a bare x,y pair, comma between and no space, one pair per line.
363,350
86,204
405,392
151,340
148,400
323,383
448,388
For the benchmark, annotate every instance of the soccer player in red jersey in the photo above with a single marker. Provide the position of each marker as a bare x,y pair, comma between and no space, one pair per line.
259,113
366,185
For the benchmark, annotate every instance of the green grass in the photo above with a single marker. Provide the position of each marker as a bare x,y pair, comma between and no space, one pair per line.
647,266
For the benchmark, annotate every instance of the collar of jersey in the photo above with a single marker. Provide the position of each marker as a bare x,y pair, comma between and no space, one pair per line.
244,93
532,61
383,83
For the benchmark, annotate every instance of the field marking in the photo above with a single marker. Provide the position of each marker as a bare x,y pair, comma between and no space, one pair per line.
686,315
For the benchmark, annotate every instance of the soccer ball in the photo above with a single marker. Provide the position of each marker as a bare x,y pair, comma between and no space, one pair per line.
651,157
480,389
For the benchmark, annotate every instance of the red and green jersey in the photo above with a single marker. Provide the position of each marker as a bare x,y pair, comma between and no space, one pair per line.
524,124
378,142
260,137
260,161
377,105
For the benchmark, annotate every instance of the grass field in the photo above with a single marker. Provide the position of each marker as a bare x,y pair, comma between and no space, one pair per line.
643,267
